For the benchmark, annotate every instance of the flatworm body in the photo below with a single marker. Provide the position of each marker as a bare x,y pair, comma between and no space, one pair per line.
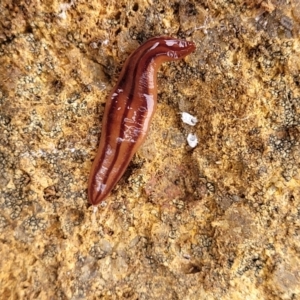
128,112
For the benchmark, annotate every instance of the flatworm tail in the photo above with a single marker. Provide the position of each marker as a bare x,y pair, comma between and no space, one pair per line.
128,112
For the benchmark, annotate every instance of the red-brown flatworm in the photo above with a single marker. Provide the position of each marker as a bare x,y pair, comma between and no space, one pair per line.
129,110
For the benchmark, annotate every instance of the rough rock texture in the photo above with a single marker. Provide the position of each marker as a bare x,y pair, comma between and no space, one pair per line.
220,221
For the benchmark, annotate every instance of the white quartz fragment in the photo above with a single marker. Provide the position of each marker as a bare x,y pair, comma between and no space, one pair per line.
188,119
63,8
192,140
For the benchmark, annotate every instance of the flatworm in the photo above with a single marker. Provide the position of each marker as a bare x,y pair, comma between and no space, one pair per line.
129,110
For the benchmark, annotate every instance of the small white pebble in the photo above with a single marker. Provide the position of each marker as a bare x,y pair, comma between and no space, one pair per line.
63,7
95,209
105,42
192,140
62,14
188,119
